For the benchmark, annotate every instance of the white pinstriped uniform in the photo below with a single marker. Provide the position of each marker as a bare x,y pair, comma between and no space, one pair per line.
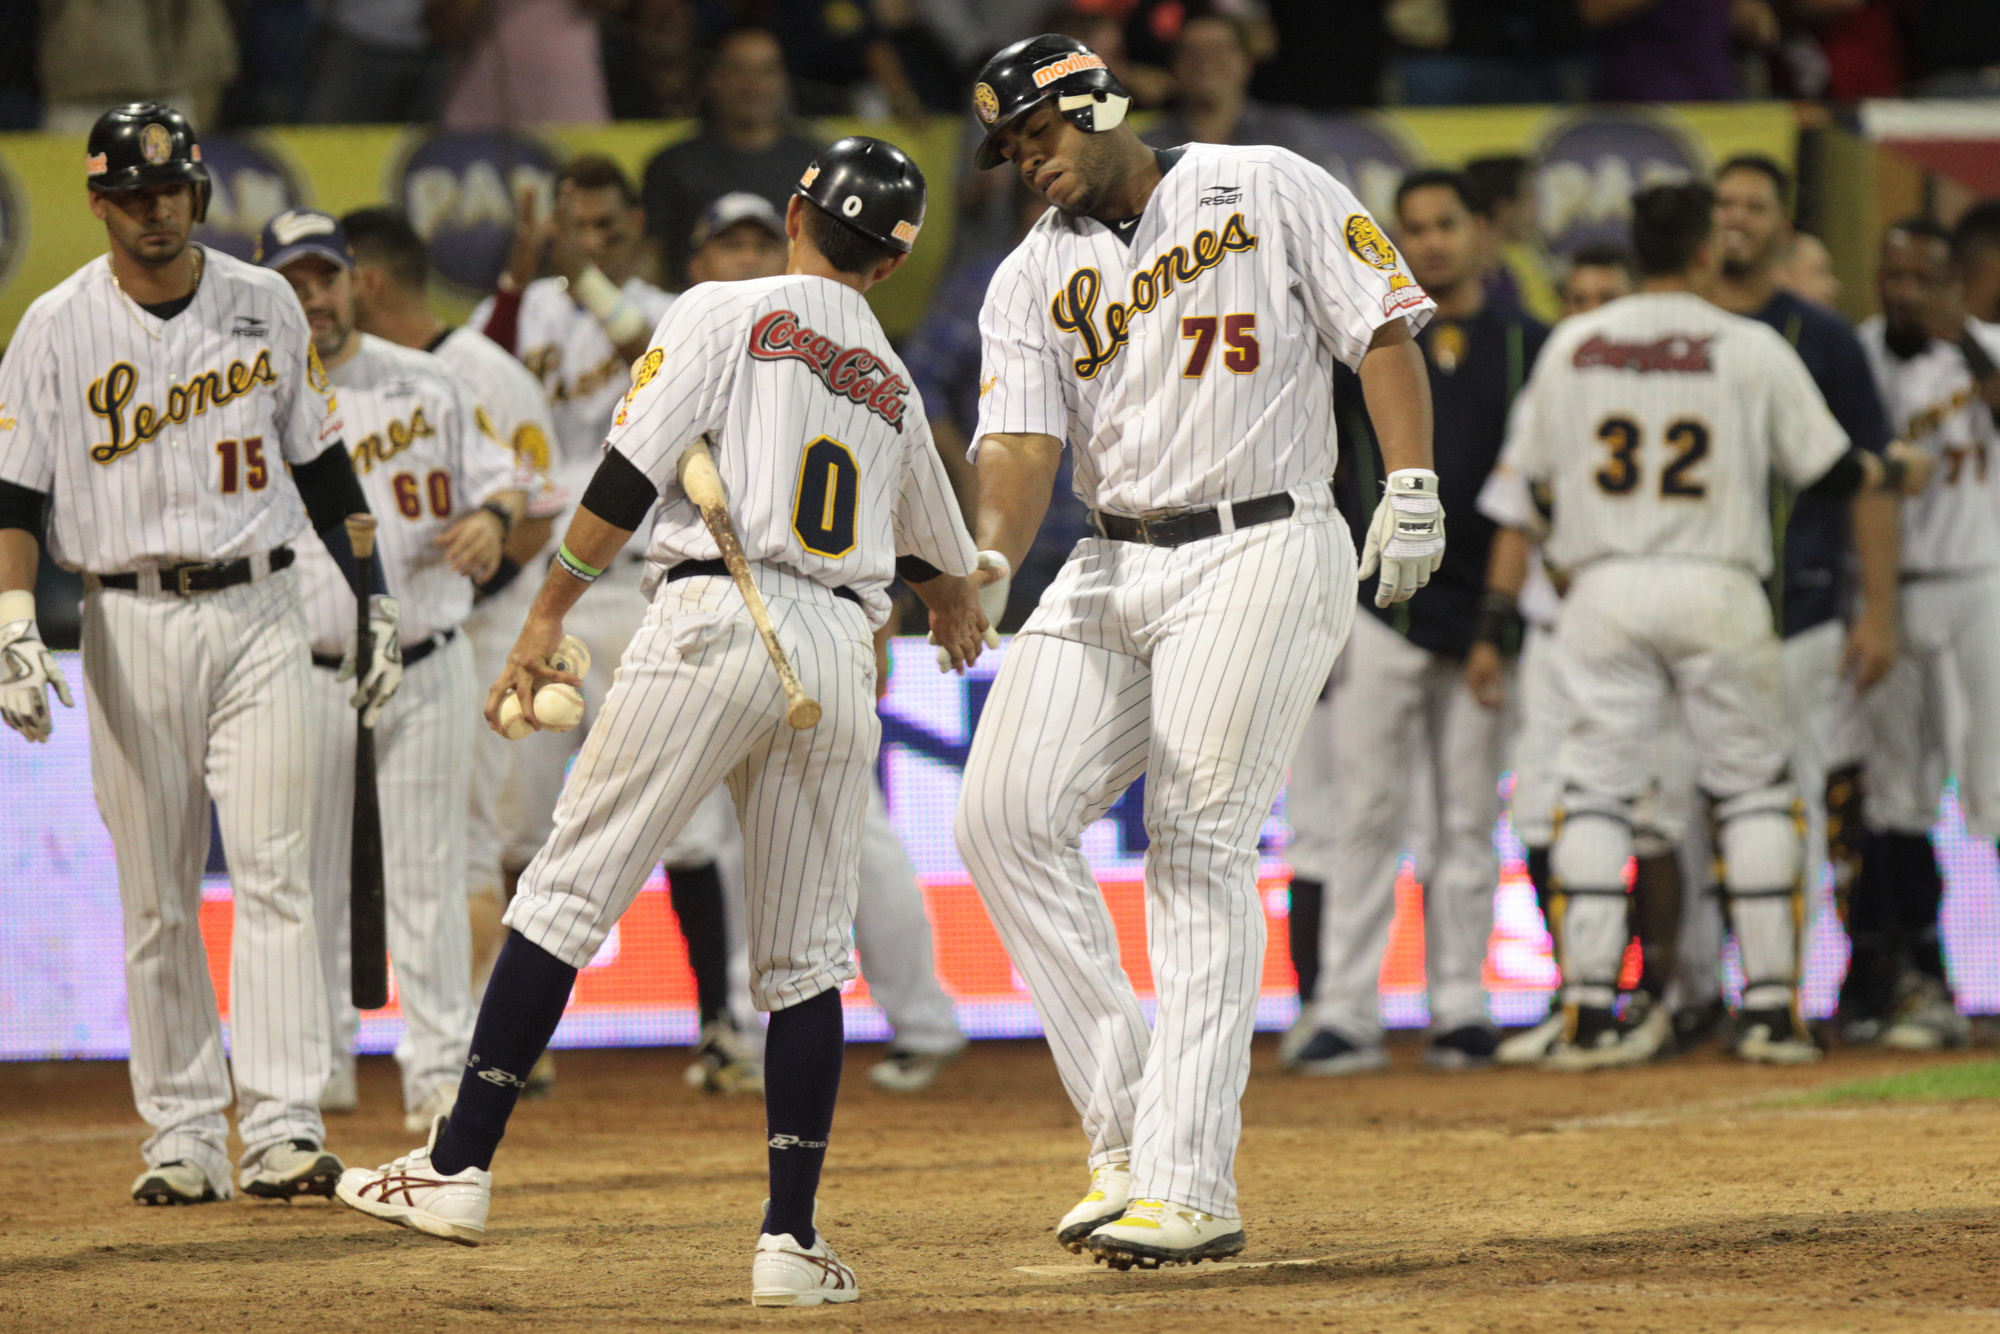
1656,421
1950,598
585,379
831,473
198,697
516,411
424,463
1248,273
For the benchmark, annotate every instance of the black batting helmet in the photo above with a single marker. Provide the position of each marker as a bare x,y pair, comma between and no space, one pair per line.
1029,73
871,186
146,143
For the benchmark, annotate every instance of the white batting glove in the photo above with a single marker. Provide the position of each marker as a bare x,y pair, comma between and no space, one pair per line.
992,602
1406,537
27,668
385,662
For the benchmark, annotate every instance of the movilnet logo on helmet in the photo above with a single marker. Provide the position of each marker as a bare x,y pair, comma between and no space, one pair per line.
905,231
847,371
986,102
1674,353
95,165
1076,62
156,145
812,174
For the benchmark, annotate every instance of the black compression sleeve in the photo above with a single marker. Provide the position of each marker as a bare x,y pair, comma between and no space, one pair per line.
619,493
21,507
1840,481
916,570
505,573
331,492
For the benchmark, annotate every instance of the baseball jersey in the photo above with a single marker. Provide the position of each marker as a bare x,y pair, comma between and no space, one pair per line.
509,406
1506,500
164,441
1656,421
423,464
1934,404
582,374
1193,365
821,441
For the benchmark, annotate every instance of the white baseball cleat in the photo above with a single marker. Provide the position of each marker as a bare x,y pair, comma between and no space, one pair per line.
1773,1037
177,1182
1110,1190
289,1170
438,1102
1154,1233
788,1274
902,1071
411,1193
1533,1046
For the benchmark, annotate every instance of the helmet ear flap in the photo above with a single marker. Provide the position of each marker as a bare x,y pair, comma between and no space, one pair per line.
1096,111
202,190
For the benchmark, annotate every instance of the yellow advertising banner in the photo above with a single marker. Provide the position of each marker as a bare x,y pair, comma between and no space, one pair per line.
459,188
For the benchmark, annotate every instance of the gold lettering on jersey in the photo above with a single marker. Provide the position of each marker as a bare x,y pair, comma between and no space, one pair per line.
588,383
484,423
6,423
1921,422
400,436
112,394
1074,308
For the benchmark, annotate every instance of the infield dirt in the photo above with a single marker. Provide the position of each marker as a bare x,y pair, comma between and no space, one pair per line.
1688,1196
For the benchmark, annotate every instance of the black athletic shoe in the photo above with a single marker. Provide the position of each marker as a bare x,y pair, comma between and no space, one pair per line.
1331,1054
1470,1047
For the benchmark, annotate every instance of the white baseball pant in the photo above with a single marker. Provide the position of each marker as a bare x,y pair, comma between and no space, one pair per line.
893,934
1393,701
423,778
1636,635
191,699
1195,665
1947,672
696,703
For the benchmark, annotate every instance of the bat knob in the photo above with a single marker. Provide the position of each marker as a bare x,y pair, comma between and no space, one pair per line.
803,713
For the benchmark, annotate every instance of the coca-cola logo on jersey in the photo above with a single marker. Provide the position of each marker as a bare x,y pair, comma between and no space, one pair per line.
850,372
1675,352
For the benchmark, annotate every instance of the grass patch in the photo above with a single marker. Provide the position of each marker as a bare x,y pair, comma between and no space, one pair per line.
1958,1082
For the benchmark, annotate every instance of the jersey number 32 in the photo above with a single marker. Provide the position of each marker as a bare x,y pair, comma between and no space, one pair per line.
1619,475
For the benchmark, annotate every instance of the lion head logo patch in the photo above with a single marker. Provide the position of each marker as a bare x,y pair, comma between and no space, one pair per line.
156,145
1365,239
986,102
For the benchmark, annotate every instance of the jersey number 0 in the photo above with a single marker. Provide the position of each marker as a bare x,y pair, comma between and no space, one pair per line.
829,490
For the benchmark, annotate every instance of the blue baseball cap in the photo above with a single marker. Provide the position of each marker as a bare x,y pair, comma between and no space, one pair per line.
303,231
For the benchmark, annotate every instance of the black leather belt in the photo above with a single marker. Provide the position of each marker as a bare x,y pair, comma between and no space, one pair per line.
1177,530
690,569
200,577
412,653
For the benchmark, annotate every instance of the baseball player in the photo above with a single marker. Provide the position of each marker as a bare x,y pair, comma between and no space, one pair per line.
830,472
1654,423
448,493
1172,319
391,274
580,330
1929,361
1400,689
165,408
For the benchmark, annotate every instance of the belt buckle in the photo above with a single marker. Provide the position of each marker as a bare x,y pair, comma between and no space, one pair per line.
182,573
1151,517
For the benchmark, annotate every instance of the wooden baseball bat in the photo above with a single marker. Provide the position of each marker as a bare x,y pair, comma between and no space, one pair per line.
703,485
368,945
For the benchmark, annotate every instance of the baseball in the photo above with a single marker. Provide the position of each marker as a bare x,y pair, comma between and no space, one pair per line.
514,723
558,707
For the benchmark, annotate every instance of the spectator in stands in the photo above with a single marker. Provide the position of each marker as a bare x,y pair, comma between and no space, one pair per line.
1673,50
1212,68
1597,274
747,141
741,236
376,64
1487,51
1975,247
520,62
1329,57
1518,270
841,58
1807,271
96,54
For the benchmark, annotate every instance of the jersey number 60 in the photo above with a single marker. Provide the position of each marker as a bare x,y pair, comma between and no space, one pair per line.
829,490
